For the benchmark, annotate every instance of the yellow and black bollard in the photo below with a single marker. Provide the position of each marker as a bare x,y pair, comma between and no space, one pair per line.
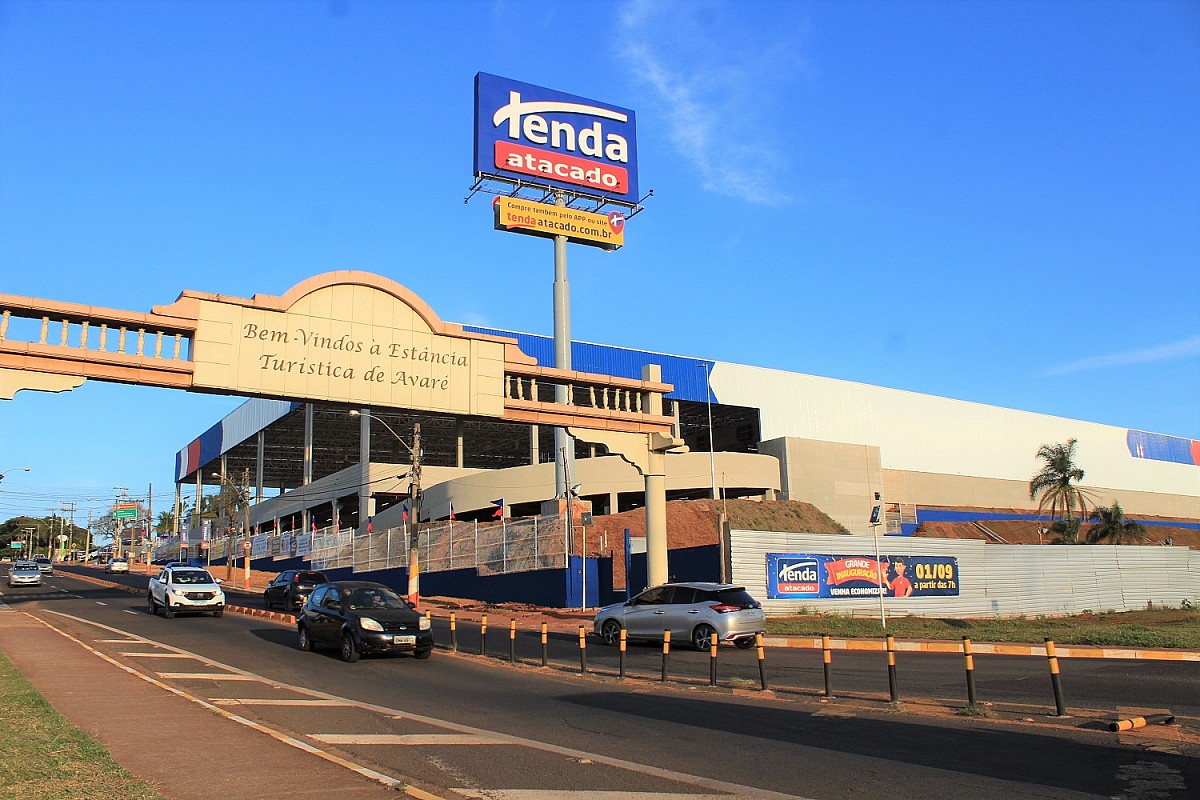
1141,722
483,635
762,660
712,659
970,662
1060,705
582,650
512,640
827,658
891,661
624,639
545,643
666,653
453,633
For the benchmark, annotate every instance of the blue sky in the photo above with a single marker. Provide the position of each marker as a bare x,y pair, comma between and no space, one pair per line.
991,201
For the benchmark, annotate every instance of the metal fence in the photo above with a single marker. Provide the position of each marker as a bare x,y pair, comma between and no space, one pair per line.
491,548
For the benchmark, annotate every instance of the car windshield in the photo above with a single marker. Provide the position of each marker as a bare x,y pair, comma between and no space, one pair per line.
310,577
191,576
736,597
375,597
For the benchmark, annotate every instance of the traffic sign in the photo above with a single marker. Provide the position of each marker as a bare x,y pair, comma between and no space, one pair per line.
125,513
17,545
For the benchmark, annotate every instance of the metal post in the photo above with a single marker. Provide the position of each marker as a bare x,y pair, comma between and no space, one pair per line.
827,658
712,659
762,660
624,639
414,545
1060,705
545,644
483,635
891,661
666,653
453,633
970,664
512,640
583,668
564,447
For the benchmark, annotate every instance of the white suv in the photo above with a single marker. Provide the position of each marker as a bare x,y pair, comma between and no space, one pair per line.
179,590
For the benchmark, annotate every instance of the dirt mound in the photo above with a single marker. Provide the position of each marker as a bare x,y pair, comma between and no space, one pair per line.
1012,531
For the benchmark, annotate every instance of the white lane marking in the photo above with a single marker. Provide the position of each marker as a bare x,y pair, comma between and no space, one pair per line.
210,676
406,738
127,611
123,641
738,790
101,603
255,701
155,655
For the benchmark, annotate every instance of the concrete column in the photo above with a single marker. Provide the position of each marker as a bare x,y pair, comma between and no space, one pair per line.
656,495
458,443
366,499
535,452
612,502
259,457
307,467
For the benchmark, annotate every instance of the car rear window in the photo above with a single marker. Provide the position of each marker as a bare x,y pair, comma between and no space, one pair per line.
311,577
736,597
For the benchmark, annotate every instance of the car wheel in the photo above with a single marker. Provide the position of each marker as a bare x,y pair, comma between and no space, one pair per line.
220,612
350,653
423,654
744,643
152,607
306,644
168,612
610,632
266,600
702,637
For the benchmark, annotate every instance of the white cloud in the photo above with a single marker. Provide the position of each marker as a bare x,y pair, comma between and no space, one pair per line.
1174,351
713,89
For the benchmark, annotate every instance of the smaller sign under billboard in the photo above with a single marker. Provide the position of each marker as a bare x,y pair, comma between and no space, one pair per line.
606,231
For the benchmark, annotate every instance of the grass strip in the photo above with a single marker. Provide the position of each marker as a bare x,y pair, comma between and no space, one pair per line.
1165,628
44,757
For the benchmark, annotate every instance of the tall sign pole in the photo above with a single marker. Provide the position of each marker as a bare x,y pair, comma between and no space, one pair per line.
564,445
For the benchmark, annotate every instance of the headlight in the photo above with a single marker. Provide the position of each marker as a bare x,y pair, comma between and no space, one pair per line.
368,624
425,625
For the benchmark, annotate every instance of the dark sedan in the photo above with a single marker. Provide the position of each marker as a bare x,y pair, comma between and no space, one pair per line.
290,588
362,617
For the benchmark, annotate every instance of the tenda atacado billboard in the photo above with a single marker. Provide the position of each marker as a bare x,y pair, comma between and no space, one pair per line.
554,139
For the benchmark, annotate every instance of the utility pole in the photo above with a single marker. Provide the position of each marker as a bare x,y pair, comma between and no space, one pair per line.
414,542
88,551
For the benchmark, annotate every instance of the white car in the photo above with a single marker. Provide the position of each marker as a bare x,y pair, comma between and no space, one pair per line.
118,564
185,590
24,573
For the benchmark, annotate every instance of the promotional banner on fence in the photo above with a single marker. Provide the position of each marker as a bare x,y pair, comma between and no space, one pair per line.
819,575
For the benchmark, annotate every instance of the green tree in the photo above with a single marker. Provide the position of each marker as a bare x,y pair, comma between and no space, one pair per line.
1054,485
1111,525
1065,531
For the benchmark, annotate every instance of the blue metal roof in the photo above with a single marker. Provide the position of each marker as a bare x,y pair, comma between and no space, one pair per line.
686,374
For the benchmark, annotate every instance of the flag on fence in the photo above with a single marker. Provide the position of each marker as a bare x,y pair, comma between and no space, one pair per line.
369,526
314,526
451,509
404,512
499,512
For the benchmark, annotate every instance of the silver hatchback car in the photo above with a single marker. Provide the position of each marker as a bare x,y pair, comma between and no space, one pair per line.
692,611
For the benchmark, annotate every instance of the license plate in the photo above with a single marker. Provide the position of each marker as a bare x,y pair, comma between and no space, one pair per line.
404,639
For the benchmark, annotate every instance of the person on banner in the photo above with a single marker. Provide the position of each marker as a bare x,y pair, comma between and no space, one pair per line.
899,585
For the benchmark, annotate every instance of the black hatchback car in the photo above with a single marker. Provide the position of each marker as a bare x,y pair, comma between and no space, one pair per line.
362,617
290,588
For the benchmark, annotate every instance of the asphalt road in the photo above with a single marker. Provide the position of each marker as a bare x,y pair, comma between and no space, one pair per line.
479,727
1099,684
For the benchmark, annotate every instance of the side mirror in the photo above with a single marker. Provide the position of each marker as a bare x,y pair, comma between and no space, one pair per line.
219,581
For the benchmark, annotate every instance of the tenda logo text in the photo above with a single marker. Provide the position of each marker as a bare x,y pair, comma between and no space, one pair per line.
554,138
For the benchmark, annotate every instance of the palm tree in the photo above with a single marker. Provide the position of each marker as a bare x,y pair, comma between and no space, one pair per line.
1110,524
1065,531
1053,486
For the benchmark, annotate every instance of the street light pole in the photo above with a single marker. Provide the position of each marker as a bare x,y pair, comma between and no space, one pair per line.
414,504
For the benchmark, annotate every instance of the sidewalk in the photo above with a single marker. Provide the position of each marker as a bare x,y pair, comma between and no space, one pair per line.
187,750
